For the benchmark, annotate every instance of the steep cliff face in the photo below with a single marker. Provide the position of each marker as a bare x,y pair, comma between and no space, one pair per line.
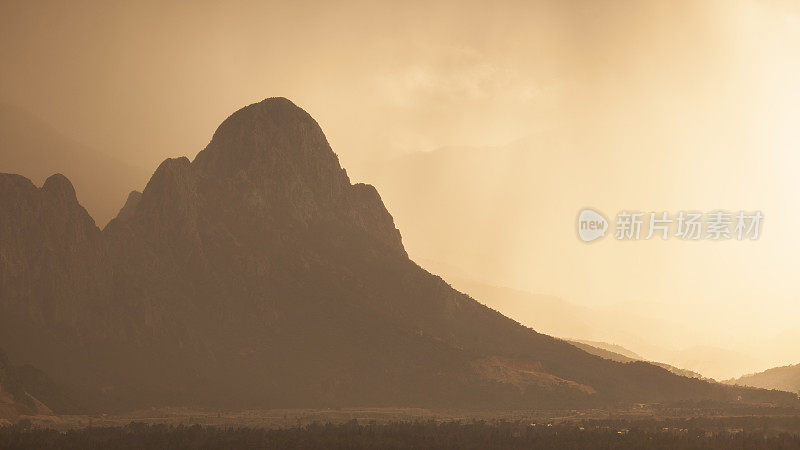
51,274
269,167
257,275
46,237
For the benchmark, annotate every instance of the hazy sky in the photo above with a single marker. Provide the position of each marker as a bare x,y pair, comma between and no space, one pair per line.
663,105
150,79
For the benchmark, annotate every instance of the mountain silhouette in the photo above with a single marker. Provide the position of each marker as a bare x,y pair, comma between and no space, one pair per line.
784,378
258,275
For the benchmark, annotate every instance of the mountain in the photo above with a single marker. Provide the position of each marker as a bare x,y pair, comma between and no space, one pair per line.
611,348
681,372
26,390
558,317
599,349
623,355
30,147
596,325
786,378
257,275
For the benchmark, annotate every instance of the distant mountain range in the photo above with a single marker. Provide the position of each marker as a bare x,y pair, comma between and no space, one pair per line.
614,351
601,349
257,275
621,354
786,378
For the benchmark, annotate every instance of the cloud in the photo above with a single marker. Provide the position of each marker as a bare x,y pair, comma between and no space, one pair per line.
456,75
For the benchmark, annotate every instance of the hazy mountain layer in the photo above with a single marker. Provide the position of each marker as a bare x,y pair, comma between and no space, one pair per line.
786,378
621,354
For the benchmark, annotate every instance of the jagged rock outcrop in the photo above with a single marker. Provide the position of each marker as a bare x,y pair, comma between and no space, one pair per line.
257,275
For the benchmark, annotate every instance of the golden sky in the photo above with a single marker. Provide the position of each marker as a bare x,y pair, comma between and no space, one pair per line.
148,79
658,105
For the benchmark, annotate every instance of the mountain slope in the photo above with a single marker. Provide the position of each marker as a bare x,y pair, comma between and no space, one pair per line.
603,352
786,378
611,348
590,325
26,390
623,355
505,216
257,275
30,147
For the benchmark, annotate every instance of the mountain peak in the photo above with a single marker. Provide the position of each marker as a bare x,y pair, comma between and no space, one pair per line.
276,116
277,152
60,186
272,131
273,102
